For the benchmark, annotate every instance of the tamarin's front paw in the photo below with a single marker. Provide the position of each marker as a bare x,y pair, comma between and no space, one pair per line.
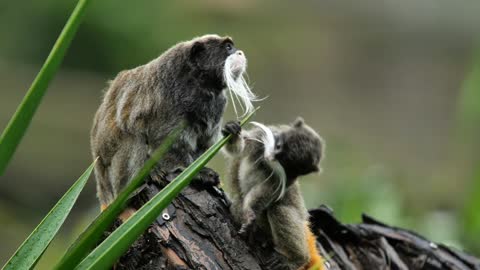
206,178
232,127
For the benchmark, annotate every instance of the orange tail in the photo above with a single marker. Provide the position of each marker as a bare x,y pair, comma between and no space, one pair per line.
316,260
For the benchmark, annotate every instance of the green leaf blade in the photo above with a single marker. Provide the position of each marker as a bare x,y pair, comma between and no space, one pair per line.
105,255
90,237
33,247
20,121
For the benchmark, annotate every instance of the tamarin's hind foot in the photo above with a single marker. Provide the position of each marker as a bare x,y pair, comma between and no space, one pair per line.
206,178
159,175
249,218
232,127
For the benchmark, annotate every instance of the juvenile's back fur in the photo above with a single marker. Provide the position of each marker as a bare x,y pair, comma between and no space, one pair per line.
254,181
143,105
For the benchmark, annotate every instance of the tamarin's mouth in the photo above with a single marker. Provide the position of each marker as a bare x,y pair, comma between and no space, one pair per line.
238,63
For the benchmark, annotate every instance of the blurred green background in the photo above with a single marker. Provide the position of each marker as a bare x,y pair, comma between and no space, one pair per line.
392,86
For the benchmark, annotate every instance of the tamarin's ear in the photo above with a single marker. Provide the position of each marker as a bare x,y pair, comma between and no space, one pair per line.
196,49
298,122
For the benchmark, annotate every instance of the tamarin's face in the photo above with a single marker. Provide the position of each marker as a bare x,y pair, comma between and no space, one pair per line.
297,147
299,150
214,54
223,65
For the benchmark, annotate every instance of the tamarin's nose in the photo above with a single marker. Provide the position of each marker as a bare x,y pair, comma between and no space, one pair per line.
239,52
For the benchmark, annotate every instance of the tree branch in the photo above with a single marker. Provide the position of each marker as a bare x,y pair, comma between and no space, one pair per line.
197,232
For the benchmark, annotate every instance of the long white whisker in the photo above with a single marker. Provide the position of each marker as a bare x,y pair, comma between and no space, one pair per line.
283,183
239,102
239,88
268,178
233,103
258,159
282,179
256,140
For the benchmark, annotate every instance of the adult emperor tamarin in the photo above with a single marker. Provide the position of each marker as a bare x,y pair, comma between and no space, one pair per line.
143,105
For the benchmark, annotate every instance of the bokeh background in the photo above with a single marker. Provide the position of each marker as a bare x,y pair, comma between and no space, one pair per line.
392,86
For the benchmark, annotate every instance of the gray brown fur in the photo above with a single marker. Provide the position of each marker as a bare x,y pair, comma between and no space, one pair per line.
143,105
254,200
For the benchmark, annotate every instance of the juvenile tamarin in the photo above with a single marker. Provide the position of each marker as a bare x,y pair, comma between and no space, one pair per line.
265,164
143,105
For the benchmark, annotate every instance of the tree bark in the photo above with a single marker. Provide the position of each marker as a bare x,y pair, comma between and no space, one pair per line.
196,231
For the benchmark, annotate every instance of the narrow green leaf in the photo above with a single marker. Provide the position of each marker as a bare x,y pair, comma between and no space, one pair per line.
20,121
468,129
90,237
105,255
469,100
32,249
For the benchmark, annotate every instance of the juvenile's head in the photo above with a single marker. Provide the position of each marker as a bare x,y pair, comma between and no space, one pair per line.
298,148
220,65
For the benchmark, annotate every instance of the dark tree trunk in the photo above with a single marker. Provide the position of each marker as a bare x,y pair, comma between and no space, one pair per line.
197,232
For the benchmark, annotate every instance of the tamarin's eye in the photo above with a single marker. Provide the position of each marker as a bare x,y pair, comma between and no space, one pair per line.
229,48
278,146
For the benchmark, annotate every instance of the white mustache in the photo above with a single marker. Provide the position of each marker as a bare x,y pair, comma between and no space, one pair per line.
267,139
233,74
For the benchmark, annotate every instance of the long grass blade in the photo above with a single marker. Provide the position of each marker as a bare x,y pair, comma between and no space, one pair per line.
32,249
90,237
20,121
105,255
468,129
